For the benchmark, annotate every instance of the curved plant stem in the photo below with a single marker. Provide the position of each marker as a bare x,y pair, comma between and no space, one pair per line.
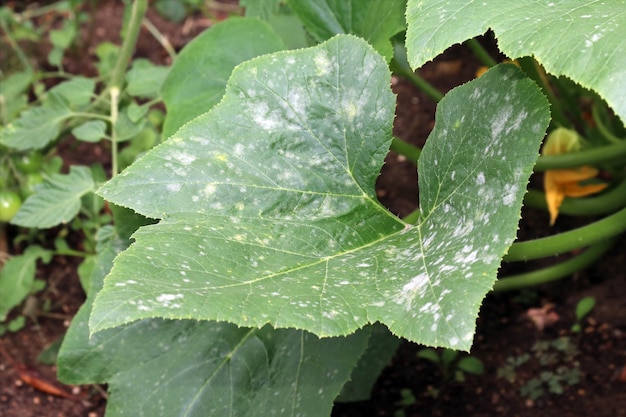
480,52
128,46
578,238
606,203
537,74
590,156
16,47
165,43
555,272
410,152
602,128
115,85
400,65
115,92
412,217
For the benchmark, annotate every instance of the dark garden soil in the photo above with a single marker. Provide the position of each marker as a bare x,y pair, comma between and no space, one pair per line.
594,360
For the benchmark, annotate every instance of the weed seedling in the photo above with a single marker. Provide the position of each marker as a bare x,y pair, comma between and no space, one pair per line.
583,308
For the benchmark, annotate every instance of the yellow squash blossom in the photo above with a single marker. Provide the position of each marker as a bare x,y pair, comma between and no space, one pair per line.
561,183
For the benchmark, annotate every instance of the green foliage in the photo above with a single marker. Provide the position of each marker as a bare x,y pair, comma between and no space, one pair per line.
17,277
558,368
583,308
326,195
576,38
451,366
256,273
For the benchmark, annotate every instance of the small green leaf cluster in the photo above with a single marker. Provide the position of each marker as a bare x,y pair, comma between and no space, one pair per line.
37,188
583,308
558,368
452,366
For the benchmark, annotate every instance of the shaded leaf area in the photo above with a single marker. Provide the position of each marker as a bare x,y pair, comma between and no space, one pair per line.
580,39
17,277
39,125
184,367
269,214
197,79
57,200
375,20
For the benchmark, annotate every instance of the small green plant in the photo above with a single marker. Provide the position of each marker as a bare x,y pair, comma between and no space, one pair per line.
583,308
557,364
114,110
407,399
451,365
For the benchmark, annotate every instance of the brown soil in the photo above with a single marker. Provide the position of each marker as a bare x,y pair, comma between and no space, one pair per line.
409,386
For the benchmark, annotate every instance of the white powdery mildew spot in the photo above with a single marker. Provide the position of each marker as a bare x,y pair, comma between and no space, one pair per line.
209,189
166,300
183,157
509,194
593,39
498,123
174,187
414,288
521,116
238,150
323,63
480,179
467,256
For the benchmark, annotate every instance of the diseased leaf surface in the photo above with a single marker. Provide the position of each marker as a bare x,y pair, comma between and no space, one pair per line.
269,212
198,76
157,368
581,39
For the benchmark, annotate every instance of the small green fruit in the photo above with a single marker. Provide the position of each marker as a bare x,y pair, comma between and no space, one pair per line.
10,203
28,163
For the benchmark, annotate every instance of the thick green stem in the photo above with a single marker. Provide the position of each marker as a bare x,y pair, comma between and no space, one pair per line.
410,152
591,156
128,46
117,78
481,53
605,203
400,65
412,217
602,128
555,272
574,239
536,73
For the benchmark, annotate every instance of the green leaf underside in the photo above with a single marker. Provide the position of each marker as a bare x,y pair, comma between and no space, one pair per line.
198,76
183,367
580,39
57,200
376,20
270,215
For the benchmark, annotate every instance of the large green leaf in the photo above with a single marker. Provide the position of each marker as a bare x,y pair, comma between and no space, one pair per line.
581,39
158,368
57,200
197,79
374,20
269,213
